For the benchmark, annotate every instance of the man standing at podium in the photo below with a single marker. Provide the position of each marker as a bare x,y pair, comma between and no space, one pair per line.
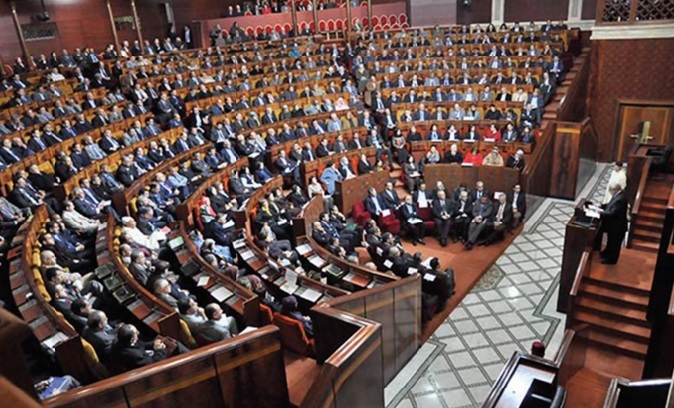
613,217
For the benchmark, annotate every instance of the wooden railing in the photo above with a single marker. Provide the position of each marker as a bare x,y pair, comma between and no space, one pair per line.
625,393
352,361
244,371
641,190
611,12
537,170
572,106
582,271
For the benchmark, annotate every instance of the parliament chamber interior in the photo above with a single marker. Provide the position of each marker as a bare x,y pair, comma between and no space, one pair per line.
337,203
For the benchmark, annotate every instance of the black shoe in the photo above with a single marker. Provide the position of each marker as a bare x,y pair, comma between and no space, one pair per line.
455,239
414,242
443,242
608,262
469,246
422,241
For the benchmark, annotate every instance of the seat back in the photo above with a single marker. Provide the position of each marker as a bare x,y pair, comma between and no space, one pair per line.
293,336
266,315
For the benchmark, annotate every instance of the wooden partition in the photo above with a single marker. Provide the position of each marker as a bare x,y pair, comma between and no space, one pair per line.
496,179
537,170
352,372
349,192
579,236
244,371
397,307
649,393
574,152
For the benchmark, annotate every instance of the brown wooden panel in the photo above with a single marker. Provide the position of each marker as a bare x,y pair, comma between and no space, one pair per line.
191,384
361,372
243,373
431,12
380,308
632,118
565,161
479,12
536,10
589,11
407,319
348,192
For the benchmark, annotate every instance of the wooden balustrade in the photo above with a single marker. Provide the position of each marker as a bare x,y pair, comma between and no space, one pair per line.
244,371
537,170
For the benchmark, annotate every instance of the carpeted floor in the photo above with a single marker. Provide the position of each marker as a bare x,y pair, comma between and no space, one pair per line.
469,267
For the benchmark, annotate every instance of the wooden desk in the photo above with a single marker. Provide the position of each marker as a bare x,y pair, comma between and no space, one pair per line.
576,240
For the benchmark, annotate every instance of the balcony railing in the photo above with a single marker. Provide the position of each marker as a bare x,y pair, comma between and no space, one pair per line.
635,11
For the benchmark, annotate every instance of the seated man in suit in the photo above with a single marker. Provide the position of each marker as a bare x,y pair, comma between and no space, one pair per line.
213,330
374,204
100,334
409,215
390,197
518,201
516,161
502,220
129,352
443,211
483,215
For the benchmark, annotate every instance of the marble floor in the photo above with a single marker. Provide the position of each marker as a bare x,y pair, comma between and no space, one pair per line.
513,305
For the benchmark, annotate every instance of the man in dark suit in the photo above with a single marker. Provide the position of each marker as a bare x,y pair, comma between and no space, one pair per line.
613,216
374,204
443,211
409,215
518,201
129,352
389,197
516,161
483,214
503,219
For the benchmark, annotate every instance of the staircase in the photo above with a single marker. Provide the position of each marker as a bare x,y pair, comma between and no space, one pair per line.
647,224
616,315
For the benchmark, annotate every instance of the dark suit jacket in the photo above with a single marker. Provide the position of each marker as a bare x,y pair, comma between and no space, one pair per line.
521,202
391,202
614,217
438,209
131,357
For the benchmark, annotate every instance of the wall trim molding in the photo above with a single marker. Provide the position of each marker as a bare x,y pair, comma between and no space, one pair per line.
632,32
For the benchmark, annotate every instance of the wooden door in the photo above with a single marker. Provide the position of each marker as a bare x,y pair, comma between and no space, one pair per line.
634,116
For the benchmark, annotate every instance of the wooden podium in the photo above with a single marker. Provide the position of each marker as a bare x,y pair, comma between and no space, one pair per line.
580,233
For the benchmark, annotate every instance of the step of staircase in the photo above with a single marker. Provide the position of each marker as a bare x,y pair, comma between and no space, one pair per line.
620,312
647,214
653,207
612,327
655,200
646,235
645,245
605,293
622,346
646,224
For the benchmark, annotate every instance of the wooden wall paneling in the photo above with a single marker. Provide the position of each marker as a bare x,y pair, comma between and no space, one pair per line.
536,10
634,69
244,383
564,167
191,384
480,12
359,380
589,11
380,308
431,12
330,333
348,192
631,116
407,321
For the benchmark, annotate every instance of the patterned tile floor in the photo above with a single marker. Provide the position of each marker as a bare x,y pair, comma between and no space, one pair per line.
512,306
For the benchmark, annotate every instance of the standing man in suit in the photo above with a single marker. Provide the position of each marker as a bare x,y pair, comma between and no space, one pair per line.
613,216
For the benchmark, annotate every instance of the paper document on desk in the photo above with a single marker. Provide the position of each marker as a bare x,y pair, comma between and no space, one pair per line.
592,213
